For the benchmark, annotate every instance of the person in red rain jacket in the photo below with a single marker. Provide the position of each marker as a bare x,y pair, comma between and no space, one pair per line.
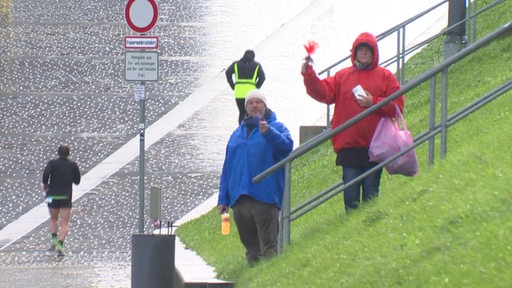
352,144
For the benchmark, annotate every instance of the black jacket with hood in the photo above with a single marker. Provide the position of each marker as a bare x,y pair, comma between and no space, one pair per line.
246,67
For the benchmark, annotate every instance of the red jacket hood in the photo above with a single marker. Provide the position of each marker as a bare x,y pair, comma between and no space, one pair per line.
368,38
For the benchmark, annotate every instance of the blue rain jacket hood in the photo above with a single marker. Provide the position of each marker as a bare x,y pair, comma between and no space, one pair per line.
249,155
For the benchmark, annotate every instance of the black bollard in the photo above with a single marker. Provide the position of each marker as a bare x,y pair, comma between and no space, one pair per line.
153,260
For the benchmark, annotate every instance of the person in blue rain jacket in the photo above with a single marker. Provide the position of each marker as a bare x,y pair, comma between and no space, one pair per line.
257,144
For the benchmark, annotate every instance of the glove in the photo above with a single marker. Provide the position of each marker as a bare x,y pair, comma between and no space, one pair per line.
223,209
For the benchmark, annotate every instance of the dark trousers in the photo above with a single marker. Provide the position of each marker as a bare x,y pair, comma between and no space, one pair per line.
258,227
369,186
240,103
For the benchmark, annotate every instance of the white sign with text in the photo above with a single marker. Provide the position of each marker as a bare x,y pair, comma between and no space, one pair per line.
141,66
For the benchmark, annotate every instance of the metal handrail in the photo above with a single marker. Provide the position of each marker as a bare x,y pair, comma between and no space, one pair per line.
387,33
337,188
410,50
288,215
322,137
403,52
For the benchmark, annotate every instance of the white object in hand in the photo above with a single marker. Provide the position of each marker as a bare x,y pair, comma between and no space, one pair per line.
358,91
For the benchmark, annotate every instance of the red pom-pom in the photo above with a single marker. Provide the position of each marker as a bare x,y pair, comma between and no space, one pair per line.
311,47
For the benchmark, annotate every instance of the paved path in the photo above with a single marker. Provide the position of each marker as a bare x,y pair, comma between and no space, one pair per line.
62,82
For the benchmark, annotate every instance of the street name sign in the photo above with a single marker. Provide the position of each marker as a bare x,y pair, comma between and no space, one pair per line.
141,42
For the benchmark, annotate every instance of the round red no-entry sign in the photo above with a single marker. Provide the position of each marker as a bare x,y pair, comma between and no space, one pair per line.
141,15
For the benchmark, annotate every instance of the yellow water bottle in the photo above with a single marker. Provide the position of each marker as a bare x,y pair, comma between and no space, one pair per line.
225,223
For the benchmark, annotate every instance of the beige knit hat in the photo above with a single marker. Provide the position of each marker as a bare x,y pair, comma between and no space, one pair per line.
256,93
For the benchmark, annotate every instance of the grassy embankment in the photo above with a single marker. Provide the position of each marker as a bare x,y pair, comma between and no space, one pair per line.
450,226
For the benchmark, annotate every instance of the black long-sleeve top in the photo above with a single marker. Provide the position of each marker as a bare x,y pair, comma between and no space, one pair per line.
60,174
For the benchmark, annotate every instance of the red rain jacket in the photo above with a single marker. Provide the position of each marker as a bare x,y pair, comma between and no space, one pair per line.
337,89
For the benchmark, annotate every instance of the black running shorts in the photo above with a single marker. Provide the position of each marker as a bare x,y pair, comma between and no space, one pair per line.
59,203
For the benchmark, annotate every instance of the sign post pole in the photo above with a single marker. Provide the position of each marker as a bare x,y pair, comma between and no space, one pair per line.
152,255
142,132
141,16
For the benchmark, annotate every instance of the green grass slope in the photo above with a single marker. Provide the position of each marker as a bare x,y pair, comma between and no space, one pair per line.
450,226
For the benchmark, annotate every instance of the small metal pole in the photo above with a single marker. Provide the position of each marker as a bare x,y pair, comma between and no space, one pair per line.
155,207
402,58
456,38
432,120
444,112
398,40
284,223
328,116
142,129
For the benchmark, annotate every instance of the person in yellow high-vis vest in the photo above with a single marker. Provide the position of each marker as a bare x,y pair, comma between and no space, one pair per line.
248,75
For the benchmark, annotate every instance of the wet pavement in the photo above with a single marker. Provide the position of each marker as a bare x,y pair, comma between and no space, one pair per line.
62,81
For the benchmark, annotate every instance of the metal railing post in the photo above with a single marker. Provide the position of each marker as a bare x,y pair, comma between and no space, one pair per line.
402,58
398,45
455,39
432,119
471,21
326,135
155,203
444,112
284,216
400,72
286,213
328,116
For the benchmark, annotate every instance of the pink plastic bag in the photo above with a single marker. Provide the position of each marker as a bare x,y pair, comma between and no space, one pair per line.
388,140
